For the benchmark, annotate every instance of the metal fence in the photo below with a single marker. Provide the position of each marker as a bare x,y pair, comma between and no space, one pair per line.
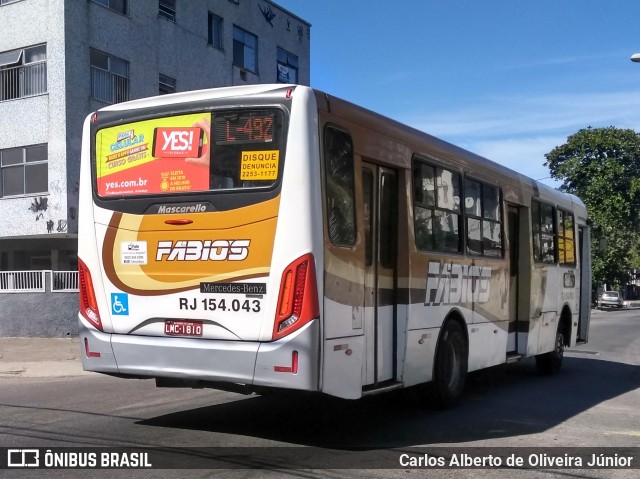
38,281
64,281
23,81
108,87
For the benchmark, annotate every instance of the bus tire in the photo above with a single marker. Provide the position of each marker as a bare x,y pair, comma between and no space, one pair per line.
450,368
551,362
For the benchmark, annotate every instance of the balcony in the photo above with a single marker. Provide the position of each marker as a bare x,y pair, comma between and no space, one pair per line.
23,81
108,87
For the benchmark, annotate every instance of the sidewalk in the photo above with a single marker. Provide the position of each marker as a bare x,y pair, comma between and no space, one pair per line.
40,357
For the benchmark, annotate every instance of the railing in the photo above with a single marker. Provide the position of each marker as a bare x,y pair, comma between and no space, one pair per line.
16,281
64,281
38,281
108,87
23,81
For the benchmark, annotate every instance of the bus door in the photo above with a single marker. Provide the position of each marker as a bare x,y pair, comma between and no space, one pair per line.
513,220
379,187
584,257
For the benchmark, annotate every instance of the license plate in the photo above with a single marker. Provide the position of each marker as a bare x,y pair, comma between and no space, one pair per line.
183,328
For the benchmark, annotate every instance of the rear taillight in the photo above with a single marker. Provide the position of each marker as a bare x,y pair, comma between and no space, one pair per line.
88,303
298,300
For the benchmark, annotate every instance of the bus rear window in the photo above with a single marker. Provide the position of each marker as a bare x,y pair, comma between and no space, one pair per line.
194,153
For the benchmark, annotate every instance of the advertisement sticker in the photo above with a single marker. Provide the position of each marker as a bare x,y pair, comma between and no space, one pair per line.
159,156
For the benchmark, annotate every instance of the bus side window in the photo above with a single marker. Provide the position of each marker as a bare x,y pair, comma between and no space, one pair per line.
436,203
566,246
339,178
484,223
491,223
544,249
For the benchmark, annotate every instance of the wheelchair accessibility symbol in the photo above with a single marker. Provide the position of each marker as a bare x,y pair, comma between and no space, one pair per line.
120,304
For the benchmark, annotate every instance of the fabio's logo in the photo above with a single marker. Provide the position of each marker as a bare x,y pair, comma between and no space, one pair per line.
195,250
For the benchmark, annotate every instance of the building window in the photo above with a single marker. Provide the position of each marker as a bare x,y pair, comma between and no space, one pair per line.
166,84
339,175
543,227
121,6
245,49
287,67
215,31
109,77
167,9
436,202
23,72
484,225
566,239
24,170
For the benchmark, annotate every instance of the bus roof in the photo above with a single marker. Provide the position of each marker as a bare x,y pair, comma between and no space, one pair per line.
196,96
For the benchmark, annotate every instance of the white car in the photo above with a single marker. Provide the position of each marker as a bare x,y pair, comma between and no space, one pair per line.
611,299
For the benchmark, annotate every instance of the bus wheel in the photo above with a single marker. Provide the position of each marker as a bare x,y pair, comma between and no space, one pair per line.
450,369
550,363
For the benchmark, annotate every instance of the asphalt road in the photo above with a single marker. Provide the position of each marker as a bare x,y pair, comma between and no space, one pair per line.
592,403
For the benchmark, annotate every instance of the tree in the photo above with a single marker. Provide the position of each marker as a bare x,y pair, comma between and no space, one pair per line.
602,167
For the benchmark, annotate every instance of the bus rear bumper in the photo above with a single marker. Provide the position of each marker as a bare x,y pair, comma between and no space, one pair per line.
291,362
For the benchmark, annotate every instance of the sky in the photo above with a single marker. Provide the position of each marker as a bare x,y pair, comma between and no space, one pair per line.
507,79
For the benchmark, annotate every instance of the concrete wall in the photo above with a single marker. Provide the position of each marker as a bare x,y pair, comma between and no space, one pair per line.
42,315
37,120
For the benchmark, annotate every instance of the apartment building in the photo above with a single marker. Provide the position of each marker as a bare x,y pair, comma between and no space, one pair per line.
62,59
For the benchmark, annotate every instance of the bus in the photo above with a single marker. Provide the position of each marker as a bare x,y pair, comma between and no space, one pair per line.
274,237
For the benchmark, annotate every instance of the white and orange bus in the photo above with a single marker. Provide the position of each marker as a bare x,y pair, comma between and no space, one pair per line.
274,236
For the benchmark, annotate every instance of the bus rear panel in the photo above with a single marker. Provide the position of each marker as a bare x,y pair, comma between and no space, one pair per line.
191,267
